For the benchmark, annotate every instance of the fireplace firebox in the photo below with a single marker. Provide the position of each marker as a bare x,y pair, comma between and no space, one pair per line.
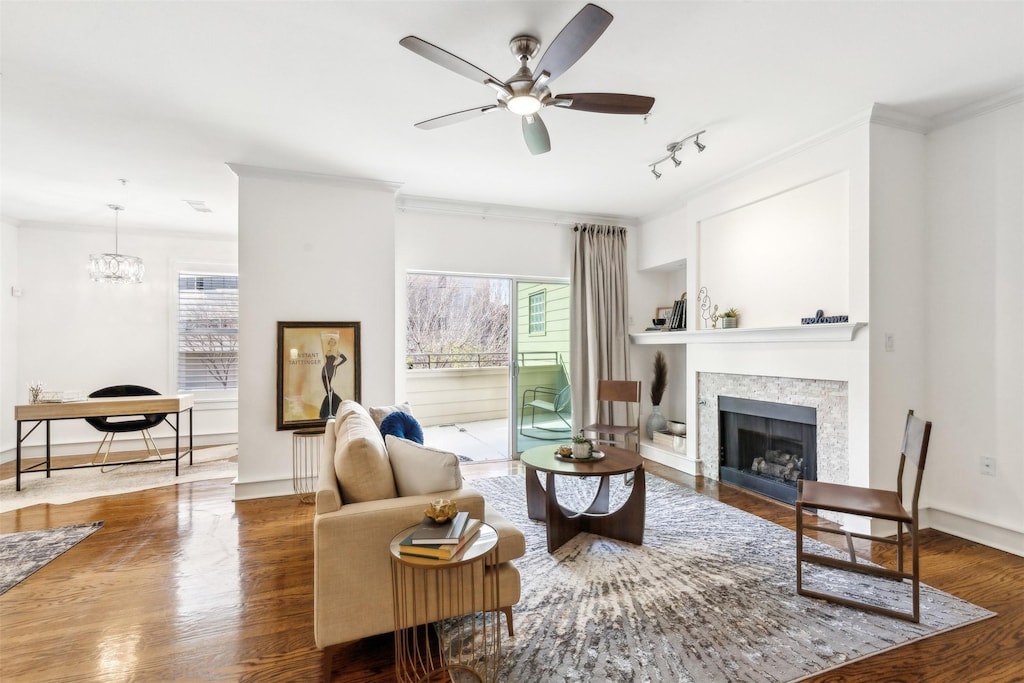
765,446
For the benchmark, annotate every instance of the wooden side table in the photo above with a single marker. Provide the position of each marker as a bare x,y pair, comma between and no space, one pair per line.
459,590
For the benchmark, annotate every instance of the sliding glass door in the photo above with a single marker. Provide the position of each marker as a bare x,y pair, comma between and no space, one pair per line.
542,411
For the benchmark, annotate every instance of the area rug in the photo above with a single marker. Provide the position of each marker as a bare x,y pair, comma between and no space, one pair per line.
68,486
710,596
25,552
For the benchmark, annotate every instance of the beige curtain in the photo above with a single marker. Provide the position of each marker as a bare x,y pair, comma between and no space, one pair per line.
598,317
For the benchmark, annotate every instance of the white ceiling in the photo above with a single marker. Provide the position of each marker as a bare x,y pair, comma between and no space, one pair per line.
164,93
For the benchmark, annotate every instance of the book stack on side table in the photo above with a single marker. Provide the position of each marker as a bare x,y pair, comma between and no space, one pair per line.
440,541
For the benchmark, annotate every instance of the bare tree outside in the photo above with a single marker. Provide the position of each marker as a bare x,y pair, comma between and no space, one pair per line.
207,332
456,321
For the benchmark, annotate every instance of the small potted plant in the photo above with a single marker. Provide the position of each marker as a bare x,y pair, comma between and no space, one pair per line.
730,318
582,447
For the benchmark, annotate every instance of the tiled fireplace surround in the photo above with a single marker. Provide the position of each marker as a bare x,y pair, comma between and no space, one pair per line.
828,397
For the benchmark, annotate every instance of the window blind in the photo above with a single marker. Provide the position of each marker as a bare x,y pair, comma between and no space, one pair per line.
207,332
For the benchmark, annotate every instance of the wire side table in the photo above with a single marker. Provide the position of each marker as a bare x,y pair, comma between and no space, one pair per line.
306,447
463,596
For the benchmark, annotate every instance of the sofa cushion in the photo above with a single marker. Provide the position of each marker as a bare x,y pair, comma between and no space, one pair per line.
420,470
378,414
402,425
360,458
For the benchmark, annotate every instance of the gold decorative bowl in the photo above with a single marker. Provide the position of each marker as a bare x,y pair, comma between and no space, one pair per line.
441,510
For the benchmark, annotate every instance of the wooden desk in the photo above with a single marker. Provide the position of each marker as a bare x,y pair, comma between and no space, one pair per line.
102,407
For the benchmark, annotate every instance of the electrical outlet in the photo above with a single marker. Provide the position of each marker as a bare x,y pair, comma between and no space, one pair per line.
988,466
890,342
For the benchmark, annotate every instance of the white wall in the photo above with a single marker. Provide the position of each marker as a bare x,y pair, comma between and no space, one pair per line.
312,248
75,334
10,394
975,335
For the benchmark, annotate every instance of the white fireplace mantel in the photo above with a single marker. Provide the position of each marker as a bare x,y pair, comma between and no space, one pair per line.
828,332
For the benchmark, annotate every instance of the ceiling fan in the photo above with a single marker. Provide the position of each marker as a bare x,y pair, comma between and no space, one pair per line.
527,91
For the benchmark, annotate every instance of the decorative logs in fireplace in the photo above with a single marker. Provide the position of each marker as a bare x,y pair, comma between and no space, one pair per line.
778,464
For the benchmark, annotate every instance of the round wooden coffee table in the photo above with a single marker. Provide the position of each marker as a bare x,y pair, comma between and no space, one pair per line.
625,524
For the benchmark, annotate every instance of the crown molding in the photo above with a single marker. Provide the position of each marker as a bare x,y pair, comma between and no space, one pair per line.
484,210
979,108
247,171
884,115
138,232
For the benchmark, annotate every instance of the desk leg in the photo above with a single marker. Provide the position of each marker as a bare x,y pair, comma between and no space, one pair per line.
177,441
17,460
47,449
190,415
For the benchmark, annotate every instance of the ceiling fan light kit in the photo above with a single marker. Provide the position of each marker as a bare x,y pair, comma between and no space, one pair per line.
674,148
526,92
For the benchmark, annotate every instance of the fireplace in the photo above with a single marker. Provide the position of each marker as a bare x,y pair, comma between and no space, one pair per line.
765,446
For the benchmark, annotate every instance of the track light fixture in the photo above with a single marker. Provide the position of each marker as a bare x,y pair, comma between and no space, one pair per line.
674,148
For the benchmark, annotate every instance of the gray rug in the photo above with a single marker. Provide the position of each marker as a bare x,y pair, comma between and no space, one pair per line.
25,552
710,596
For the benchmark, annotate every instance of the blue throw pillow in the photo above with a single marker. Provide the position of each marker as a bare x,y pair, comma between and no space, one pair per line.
402,425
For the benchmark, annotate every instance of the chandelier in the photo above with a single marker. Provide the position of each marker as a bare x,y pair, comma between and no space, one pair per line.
116,267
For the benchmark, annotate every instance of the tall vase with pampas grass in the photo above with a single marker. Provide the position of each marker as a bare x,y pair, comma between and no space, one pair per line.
656,421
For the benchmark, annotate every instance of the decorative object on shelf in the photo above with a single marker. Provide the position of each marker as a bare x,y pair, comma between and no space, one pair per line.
730,319
34,391
582,447
708,312
663,312
820,318
676,427
116,267
656,421
674,148
318,365
441,510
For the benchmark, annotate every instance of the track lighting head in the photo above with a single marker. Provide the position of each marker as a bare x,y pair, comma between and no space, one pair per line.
674,148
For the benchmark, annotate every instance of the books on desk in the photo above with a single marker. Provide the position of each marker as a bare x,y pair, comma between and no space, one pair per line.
440,551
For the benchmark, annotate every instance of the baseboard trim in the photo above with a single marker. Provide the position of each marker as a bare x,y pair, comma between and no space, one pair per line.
1000,538
270,488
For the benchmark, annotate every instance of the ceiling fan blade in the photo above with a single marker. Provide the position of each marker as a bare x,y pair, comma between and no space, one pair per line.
456,117
536,134
605,103
449,61
573,41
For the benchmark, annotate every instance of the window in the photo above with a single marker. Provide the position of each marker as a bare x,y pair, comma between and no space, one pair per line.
537,316
207,332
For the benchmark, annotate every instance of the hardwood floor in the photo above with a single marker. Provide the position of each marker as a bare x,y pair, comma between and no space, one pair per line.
181,583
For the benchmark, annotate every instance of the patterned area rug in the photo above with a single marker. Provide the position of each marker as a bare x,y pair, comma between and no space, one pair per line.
68,486
710,596
25,552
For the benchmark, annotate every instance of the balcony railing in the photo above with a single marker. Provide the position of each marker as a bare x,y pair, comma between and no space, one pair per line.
427,361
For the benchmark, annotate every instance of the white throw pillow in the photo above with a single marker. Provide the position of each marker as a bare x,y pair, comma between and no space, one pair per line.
378,414
420,469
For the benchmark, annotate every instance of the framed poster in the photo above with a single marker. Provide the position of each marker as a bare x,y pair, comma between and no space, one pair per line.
317,367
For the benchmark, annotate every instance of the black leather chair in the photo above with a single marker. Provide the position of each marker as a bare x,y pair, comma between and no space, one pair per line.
119,425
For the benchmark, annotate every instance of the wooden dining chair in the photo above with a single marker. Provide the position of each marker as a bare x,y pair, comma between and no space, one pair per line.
611,392
873,504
